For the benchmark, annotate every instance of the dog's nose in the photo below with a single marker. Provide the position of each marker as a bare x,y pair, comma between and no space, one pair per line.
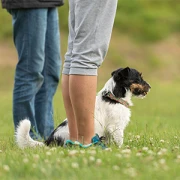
149,86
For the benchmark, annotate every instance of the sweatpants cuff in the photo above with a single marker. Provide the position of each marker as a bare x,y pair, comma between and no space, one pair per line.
80,71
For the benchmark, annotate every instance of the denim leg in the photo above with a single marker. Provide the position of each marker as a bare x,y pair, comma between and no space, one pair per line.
29,30
51,73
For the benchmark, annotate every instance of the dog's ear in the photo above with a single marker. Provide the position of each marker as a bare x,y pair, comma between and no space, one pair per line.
116,71
112,74
121,73
124,72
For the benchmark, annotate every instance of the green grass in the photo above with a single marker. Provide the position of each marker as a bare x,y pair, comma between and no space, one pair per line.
151,148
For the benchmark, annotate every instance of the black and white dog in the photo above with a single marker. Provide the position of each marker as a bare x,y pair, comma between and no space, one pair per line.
112,113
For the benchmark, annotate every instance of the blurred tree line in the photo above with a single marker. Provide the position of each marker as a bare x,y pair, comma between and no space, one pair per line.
144,20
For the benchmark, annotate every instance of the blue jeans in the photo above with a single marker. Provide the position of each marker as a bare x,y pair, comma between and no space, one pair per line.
37,40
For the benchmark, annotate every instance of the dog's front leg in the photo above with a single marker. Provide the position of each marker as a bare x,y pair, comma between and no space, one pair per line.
117,135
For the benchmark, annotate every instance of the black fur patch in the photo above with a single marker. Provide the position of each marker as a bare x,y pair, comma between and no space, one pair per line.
51,141
64,123
59,141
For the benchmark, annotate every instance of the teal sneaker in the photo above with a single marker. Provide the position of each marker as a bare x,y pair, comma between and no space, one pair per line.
98,141
95,141
70,143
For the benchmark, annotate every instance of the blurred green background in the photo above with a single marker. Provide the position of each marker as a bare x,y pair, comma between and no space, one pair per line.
146,36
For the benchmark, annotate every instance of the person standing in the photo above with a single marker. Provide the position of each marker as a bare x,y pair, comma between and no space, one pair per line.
37,40
90,28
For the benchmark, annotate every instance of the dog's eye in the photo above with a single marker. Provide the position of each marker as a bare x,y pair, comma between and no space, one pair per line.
136,90
139,79
136,81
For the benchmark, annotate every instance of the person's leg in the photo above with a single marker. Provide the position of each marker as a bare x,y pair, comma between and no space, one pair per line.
68,108
51,73
92,28
29,29
83,93
80,90
65,76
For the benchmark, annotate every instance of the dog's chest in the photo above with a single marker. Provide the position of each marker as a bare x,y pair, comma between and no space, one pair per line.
112,114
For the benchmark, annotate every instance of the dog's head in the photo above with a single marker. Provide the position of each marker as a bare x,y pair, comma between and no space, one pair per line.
129,79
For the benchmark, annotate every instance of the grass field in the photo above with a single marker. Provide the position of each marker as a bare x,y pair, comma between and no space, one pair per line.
151,147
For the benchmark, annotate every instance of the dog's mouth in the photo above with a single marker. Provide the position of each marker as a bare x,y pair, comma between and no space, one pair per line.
139,90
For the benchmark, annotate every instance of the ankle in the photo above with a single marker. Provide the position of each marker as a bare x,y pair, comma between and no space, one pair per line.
73,138
84,140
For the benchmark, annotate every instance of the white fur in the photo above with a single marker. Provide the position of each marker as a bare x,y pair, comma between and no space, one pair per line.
111,118
23,138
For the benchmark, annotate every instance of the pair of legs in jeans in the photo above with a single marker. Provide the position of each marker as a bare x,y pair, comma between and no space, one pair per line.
37,40
90,27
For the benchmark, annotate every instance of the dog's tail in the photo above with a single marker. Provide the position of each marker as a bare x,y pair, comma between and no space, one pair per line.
22,136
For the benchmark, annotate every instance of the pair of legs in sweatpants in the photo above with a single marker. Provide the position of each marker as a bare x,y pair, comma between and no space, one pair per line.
37,40
90,28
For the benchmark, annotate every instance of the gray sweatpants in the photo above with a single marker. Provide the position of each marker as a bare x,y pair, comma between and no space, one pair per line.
90,28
